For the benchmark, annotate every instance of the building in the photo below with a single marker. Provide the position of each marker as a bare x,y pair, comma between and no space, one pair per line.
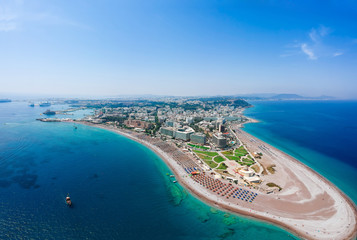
246,172
221,128
199,138
137,124
170,123
249,175
184,133
189,120
169,131
219,140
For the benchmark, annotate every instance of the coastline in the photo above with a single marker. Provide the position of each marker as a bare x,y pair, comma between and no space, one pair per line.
253,212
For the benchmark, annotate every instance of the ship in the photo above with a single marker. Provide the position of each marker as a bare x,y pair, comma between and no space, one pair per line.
68,201
49,112
4,100
45,104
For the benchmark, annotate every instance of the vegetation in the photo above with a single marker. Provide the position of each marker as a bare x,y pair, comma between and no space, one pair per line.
256,168
212,154
211,164
204,157
270,184
219,159
157,124
197,146
124,126
231,101
271,169
196,128
247,162
197,120
233,158
227,153
211,158
222,166
239,152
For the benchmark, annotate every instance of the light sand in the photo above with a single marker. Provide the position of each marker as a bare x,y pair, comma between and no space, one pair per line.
309,205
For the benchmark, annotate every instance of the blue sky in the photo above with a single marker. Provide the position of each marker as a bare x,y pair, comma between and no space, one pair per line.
98,48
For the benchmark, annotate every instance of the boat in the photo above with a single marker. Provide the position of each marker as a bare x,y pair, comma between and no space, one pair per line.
174,181
5,100
68,200
31,104
45,104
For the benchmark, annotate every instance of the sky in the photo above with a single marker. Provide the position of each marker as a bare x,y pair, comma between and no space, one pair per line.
183,47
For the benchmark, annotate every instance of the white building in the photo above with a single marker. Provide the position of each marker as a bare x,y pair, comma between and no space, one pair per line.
249,175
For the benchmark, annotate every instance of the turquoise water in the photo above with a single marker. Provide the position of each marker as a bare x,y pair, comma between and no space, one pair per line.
119,188
321,134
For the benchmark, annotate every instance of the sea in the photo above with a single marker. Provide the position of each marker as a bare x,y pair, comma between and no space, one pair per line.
321,134
122,190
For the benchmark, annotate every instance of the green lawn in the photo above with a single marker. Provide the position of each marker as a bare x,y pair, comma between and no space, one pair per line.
222,166
204,157
227,153
233,158
239,152
247,162
219,159
197,146
212,164
211,154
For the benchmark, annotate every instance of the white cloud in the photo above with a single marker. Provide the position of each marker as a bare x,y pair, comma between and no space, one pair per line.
314,47
314,36
7,19
308,51
336,54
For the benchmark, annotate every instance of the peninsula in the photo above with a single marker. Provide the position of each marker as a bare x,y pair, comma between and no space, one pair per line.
204,143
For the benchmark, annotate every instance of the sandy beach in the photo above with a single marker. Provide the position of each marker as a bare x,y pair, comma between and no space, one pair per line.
308,205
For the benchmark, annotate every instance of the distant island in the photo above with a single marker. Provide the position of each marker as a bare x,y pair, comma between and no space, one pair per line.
283,96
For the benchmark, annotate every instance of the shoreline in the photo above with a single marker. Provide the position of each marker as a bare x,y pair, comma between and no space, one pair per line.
207,197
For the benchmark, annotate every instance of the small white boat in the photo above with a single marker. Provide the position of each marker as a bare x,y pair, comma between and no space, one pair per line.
68,200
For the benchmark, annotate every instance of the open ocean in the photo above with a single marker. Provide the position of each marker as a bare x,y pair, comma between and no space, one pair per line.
321,134
120,189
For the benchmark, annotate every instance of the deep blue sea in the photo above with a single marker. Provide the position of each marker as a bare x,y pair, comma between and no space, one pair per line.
321,134
119,188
